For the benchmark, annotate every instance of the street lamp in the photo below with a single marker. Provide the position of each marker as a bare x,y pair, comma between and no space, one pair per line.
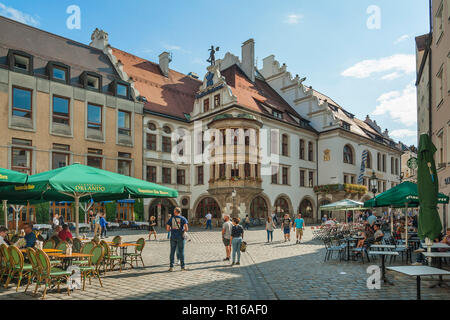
374,183
233,195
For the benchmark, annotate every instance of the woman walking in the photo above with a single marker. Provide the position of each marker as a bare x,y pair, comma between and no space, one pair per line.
237,234
151,227
270,226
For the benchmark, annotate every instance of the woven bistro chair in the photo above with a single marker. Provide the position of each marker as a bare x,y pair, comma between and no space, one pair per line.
76,245
36,270
49,244
62,245
18,267
109,258
85,249
94,265
116,241
137,252
50,274
6,261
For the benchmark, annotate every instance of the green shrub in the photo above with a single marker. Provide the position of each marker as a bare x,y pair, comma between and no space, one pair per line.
43,213
139,210
111,211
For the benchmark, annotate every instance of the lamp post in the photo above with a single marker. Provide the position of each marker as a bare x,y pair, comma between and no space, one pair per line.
233,196
374,183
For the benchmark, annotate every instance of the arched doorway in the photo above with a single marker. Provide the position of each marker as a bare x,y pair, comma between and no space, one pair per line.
208,205
258,208
166,208
307,210
281,207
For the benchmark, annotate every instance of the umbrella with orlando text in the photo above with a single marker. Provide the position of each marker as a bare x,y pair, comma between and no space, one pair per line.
78,182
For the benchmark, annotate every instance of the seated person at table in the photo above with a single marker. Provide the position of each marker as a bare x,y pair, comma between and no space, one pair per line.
30,237
3,234
65,234
55,235
361,241
446,240
378,235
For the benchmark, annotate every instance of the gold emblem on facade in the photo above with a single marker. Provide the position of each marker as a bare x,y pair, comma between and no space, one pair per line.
326,155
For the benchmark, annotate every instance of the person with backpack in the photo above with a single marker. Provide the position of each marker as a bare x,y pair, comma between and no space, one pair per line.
237,235
177,226
286,227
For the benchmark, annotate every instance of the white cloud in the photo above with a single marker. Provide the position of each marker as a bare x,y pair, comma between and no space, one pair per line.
293,18
402,38
171,47
391,76
17,15
400,63
403,134
399,105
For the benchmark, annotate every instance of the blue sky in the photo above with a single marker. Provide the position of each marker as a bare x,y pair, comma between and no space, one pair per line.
366,70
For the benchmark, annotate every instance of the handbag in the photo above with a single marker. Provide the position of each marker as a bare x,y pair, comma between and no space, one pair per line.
243,246
183,235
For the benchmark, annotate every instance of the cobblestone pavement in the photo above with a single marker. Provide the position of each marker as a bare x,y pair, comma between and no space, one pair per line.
268,271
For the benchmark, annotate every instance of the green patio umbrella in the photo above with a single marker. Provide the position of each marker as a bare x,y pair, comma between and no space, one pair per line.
430,225
10,177
78,182
400,195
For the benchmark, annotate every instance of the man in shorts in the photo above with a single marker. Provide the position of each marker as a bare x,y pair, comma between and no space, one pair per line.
226,236
299,225
286,227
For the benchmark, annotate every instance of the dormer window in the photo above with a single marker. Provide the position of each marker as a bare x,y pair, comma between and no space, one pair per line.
58,72
91,80
345,125
120,89
277,114
20,61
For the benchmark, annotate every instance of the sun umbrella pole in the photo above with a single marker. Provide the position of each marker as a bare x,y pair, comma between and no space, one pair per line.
391,217
77,213
406,227
5,212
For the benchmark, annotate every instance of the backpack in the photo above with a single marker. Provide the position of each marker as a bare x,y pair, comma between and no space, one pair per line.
243,246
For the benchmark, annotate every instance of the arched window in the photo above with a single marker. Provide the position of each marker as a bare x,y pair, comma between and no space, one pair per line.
379,161
258,208
348,154
369,160
281,207
306,209
208,205
151,126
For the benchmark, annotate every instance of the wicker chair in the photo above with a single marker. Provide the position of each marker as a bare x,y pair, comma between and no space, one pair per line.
50,274
18,267
138,252
93,267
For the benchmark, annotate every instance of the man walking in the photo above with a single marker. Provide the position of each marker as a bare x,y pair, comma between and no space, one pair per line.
286,227
97,227
299,225
226,236
177,225
103,224
208,221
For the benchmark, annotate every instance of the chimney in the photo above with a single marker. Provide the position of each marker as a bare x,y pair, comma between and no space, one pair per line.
248,59
164,60
99,39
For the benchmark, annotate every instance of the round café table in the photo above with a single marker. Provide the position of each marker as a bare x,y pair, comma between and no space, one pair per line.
123,249
68,258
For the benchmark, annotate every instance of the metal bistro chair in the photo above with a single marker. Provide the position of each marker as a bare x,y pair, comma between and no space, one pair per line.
18,267
93,268
77,244
331,248
138,252
363,252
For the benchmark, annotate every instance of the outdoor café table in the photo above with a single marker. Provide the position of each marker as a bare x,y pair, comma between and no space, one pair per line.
45,250
68,258
419,271
438,246
383,268
123,249
438,255
385,246
348,239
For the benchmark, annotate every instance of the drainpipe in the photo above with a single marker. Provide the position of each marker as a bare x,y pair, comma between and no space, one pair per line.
430,71
317,179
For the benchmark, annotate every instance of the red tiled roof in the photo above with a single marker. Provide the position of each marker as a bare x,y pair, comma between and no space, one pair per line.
252,95
173,95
